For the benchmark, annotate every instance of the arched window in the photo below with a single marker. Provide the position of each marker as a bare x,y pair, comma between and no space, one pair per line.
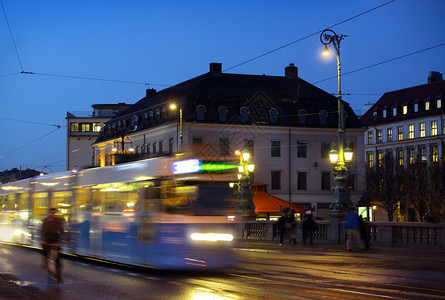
164,113
273,115
145,117
222,112
323,115
244,112
134,123
200,112
157,116
119,127
302,113
151,118
113,129
124,125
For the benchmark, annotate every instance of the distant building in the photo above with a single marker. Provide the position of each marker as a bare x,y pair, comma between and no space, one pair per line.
82,130
407,124
17,174
287,124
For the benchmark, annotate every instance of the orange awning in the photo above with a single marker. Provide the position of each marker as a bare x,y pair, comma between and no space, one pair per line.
266,203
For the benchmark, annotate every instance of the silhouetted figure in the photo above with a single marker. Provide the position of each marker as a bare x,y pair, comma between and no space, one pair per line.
364,232
309,226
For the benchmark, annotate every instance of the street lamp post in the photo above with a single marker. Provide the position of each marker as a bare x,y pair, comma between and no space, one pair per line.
179,144
342,201
245,207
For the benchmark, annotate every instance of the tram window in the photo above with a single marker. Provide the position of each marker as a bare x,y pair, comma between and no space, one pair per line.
39,206
23,202
62,201
115,197
82,199
9,203
175,194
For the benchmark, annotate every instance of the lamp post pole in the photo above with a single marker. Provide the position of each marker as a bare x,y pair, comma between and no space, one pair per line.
246,207
179,128
342,201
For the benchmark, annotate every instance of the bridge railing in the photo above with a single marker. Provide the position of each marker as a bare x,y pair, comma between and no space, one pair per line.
387,234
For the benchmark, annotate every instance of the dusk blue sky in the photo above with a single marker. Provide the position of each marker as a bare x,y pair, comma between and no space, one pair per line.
166,42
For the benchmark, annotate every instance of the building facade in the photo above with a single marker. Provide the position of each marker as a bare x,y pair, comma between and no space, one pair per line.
83,128
287,124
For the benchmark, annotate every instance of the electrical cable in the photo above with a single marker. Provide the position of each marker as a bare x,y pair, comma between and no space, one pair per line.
381,63
12,37
31,122
308,36
26,145
12,74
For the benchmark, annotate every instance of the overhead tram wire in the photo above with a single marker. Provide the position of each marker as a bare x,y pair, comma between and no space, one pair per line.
308,36
31,122
381,63
26,145
12,37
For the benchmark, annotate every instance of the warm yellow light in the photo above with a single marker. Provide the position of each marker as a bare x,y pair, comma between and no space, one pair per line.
173,106
131,149
250,167
348,155
231,184
211,237
246,155
374,207
239,176
237,152
326,51
114,149
241,168
333,156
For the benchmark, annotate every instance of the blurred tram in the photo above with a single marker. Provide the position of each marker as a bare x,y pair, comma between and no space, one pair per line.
165,212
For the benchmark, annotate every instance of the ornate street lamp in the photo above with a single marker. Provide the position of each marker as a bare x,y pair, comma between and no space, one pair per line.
341,158
245,207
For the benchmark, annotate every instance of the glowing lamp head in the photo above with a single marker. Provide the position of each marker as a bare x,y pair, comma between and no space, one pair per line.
241,168
246,155
348,155
333,156
239,176
237,152
173,106
250,167
231,184
326,51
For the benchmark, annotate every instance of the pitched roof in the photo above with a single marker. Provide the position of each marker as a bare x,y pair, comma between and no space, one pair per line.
260,93
408,96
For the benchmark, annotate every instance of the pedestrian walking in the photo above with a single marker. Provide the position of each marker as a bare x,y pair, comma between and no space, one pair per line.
352,230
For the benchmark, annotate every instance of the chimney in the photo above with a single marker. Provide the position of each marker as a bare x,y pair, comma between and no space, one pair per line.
215,69
291,71
150,92
434,76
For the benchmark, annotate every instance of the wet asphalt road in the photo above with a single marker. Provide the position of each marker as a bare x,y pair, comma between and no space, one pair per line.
265,271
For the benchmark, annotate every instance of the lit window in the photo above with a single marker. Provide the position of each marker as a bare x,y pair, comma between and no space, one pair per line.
379,136
422,129
96,127
394,111
380,159
439,103
370,137
411,131
74,127
370,157
427,105
400,133
433,128
416,107
400,157
389,133
435,153
411,156
405,109
85,127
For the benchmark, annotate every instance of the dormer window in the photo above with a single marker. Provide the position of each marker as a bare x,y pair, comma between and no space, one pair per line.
384,113
157,116
222,113
124,125
302,113
164,113
405,109
244,112
200,112
151,118
394,111
273,115
134,123
416,107
113,128
374,115
323,115
145,117
427,105
439,103
119,127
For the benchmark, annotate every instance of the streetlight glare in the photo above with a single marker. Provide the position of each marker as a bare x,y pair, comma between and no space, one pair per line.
173,106
326,51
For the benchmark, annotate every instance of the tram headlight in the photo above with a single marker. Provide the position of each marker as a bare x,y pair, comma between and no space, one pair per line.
211,237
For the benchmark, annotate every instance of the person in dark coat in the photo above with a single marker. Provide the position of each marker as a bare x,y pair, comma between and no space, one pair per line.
364,232
309,226
282,226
